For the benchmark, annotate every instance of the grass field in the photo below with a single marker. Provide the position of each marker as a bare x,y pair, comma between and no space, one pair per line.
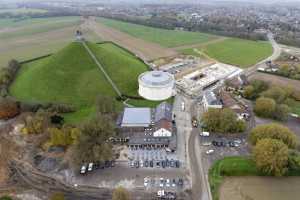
30,38
242,53
25,22
167,38
40,27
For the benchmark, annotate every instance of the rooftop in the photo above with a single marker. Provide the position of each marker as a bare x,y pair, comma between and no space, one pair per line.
212,99
134,117
156,78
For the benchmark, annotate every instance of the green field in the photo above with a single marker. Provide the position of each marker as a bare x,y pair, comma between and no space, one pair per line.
167,38
39,26
242,53
70,76
22,10
25,22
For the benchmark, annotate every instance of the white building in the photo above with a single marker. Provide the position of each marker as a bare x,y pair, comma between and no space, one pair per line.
156,85
211,101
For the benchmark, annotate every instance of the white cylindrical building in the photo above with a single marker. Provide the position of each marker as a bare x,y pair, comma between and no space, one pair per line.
156,85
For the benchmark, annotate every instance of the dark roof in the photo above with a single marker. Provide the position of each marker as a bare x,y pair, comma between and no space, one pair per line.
163,111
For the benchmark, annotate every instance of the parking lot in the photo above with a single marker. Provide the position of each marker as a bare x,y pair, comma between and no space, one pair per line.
216,147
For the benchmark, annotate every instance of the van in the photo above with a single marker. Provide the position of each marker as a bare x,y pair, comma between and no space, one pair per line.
204,134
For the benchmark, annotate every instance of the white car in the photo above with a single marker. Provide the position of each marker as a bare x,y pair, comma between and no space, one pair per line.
168,183
161,182
204,134
90,167
146,181
210,151
83,169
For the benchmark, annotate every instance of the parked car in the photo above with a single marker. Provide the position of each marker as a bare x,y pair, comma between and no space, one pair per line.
210,151
161,182
136,164
180,182
177,163
146,163
167,163
146,181
132,164
90,167
107,164
151,163
163,164
141,163
167,182
204,134
172,163
83,169
173,183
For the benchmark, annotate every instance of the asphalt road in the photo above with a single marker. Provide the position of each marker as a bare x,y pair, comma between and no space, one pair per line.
276,53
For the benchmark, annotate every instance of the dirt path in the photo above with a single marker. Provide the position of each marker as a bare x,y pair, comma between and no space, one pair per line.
145,50
220,39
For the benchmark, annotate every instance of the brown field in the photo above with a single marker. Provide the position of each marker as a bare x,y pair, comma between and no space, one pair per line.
260,188
276,80
145,50
38,44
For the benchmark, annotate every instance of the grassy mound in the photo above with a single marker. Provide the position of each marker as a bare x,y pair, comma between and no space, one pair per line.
168,38
70,76
243,53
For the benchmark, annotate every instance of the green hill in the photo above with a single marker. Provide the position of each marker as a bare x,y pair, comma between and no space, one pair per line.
70,76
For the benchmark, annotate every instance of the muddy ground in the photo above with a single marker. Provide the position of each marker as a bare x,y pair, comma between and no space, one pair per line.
260,188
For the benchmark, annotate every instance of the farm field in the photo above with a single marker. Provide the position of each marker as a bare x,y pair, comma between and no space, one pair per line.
167,38
146,50
22,10
242,53
257,188
73,68
56,33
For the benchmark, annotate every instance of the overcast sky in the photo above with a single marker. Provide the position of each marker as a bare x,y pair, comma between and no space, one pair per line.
160,1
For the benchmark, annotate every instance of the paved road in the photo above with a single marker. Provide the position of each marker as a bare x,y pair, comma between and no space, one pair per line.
276,53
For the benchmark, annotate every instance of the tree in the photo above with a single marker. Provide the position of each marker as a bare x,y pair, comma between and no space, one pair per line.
271,157
281,112
249,92
58,196
37,123
63,137
8,108
92,142
265,107
120,193
274,131
259,86
223,121
276,93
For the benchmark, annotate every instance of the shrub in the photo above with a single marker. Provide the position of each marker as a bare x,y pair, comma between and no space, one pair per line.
8,108
265,107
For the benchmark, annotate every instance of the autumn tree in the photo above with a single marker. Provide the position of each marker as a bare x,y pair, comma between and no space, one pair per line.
265,107
281,112
120,193
58,196
249,92
279,94
64,136
8,108
37,123
92,142
271,156
223,121
273,131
